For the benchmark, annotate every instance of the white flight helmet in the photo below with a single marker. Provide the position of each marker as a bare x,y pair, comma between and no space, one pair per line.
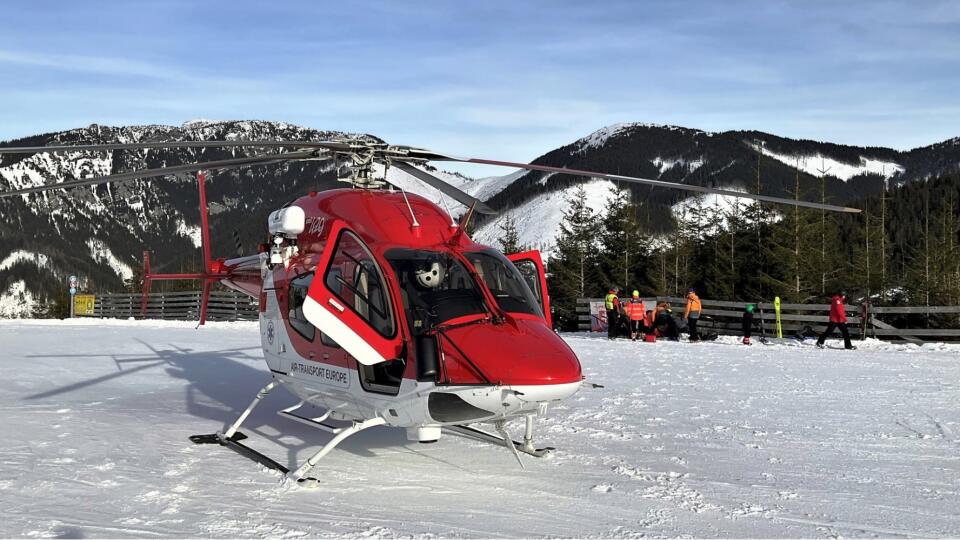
430,276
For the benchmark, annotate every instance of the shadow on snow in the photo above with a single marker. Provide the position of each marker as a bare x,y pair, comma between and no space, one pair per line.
221,384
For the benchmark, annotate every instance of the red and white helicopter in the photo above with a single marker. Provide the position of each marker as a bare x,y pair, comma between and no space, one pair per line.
376,306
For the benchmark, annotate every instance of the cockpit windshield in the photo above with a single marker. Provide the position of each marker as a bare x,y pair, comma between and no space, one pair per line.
505,282
435,286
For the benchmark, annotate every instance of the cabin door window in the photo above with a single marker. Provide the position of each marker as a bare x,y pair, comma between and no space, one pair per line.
351,304
531,268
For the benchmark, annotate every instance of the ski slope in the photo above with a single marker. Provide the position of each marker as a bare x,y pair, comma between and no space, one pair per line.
703,440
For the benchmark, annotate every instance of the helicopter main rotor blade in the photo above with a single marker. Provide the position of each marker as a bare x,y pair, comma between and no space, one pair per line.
433,156
444,187
337,146
164,171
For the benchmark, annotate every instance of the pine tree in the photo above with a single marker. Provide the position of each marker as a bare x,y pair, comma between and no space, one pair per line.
692,219
509,236
792,246
573,268
625,247
714,280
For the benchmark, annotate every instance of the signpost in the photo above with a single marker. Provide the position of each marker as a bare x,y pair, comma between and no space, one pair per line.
83,305
72,280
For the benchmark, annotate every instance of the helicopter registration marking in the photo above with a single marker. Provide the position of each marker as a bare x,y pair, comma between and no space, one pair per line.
331,375
316,225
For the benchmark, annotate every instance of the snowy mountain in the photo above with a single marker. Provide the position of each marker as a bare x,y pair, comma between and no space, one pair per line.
691,156
99,233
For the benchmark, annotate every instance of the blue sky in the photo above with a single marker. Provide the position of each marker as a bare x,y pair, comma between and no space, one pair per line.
507,80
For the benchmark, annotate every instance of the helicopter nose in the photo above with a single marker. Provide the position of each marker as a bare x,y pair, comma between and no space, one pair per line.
522,352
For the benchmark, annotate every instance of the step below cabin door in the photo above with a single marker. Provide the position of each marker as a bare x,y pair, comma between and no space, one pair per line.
349,300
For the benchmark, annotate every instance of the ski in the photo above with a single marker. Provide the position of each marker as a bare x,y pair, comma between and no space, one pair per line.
763,329
776,310
481,435
864,318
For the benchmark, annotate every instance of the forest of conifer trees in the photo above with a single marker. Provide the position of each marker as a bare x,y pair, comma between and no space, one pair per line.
904,249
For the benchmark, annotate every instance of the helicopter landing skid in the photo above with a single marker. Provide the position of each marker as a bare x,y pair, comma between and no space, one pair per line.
484,436
234,444
232,438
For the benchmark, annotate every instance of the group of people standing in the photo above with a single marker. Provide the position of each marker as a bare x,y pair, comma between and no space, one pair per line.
649,324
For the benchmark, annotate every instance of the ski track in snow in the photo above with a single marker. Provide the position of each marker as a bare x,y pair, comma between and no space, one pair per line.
704,440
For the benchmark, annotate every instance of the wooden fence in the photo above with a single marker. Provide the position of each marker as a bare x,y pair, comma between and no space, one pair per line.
724,317
223,306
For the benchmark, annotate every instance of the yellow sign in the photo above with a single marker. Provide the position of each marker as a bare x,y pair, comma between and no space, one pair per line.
83,304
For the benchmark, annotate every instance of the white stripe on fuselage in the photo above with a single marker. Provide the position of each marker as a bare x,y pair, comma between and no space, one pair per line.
328,323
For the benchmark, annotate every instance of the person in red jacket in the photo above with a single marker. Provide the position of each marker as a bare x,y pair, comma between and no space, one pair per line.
838,319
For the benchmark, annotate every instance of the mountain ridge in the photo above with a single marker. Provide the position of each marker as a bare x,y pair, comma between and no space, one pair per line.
725,159
100,232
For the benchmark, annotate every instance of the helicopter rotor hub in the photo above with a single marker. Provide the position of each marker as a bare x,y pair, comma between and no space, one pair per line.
362,160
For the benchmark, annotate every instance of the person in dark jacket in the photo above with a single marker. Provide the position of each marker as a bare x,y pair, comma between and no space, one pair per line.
838,319
747,323
664,322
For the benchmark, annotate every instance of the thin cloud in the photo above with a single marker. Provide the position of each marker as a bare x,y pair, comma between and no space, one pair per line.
91,64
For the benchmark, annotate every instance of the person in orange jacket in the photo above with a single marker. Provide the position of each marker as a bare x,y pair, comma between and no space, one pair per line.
692,314
635,314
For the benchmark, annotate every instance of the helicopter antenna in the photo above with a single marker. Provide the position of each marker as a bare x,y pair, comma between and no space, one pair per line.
443,201
465,220
462,227
412,215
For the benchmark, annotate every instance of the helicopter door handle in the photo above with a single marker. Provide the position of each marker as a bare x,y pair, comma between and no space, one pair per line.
336,305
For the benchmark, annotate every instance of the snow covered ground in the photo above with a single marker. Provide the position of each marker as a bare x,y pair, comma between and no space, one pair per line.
706,440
